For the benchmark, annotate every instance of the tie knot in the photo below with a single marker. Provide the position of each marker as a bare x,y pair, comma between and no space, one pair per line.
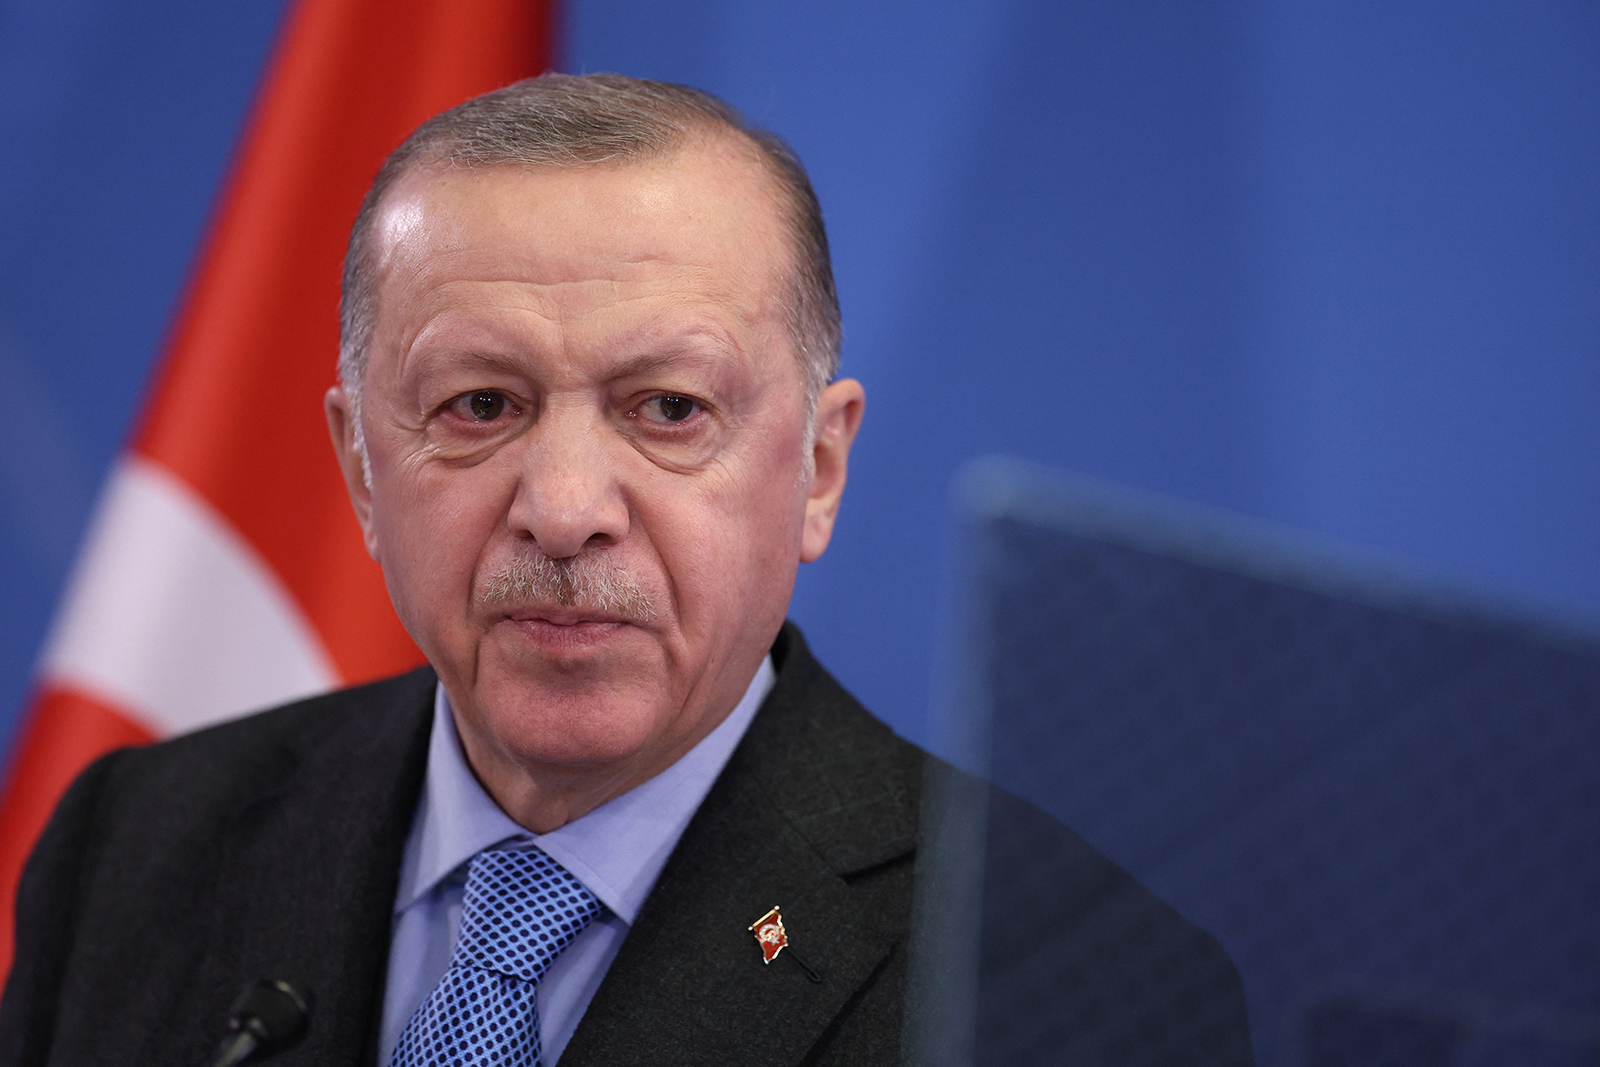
519,910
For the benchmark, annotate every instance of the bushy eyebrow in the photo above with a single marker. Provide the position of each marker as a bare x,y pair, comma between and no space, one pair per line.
705,348
468,360
485,361
645,365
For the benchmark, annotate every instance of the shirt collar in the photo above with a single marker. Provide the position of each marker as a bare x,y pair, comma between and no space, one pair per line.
617,850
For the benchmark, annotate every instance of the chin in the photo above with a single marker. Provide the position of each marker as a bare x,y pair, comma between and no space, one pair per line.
571,726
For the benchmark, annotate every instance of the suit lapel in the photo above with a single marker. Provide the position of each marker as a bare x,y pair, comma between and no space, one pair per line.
306,887
816,794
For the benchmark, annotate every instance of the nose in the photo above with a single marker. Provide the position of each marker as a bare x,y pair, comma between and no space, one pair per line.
568,492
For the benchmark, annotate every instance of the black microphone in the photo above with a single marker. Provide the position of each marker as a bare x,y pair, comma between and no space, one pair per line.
268,1017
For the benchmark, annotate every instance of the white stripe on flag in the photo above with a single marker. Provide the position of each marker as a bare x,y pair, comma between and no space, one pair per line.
173,617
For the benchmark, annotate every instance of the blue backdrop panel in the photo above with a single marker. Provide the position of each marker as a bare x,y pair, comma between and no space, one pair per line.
1380,796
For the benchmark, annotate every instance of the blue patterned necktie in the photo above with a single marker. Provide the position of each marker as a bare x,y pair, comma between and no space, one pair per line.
518,911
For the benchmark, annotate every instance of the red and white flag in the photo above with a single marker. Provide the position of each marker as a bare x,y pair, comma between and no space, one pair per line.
224,571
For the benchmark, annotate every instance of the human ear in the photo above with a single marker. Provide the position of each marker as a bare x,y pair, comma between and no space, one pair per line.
837,419
342,430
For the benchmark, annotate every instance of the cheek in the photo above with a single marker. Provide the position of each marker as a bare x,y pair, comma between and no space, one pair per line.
730,540
431,529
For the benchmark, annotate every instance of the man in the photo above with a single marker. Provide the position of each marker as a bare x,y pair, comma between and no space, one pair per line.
588,421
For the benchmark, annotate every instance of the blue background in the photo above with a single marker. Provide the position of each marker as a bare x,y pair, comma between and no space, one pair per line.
1335,264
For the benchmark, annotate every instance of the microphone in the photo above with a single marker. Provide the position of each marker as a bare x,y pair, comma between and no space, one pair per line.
268,1017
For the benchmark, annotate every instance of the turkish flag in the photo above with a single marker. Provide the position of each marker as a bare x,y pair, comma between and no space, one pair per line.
224,571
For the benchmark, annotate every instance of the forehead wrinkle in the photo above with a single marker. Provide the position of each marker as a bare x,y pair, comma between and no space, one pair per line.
674,314
406,346
662,341
431,261
413,261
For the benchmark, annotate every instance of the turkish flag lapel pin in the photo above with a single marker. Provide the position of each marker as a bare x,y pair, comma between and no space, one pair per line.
770,935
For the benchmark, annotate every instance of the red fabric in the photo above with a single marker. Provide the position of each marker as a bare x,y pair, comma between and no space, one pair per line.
236,408
64,732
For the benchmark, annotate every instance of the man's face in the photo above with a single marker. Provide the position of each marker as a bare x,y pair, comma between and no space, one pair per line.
586,433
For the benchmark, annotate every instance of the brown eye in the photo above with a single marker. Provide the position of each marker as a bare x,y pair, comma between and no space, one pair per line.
670,409
486,407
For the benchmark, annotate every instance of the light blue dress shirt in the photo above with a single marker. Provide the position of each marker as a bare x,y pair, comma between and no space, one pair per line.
617,851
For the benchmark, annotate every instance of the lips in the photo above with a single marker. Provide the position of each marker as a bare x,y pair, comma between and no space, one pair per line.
564,616
565,630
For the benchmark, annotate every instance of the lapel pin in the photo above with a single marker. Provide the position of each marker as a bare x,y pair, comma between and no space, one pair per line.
773,939
770,935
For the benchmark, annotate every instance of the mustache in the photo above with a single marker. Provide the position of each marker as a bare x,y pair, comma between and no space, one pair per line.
588,582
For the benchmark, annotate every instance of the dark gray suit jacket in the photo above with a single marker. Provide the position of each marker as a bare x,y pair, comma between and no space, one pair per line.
173,876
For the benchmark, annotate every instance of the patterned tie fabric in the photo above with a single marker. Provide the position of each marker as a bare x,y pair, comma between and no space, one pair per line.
519,910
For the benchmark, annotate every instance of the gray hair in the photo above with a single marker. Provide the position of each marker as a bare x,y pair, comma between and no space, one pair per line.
563,120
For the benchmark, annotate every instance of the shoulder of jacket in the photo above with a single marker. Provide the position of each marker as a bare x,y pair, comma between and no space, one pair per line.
378,721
